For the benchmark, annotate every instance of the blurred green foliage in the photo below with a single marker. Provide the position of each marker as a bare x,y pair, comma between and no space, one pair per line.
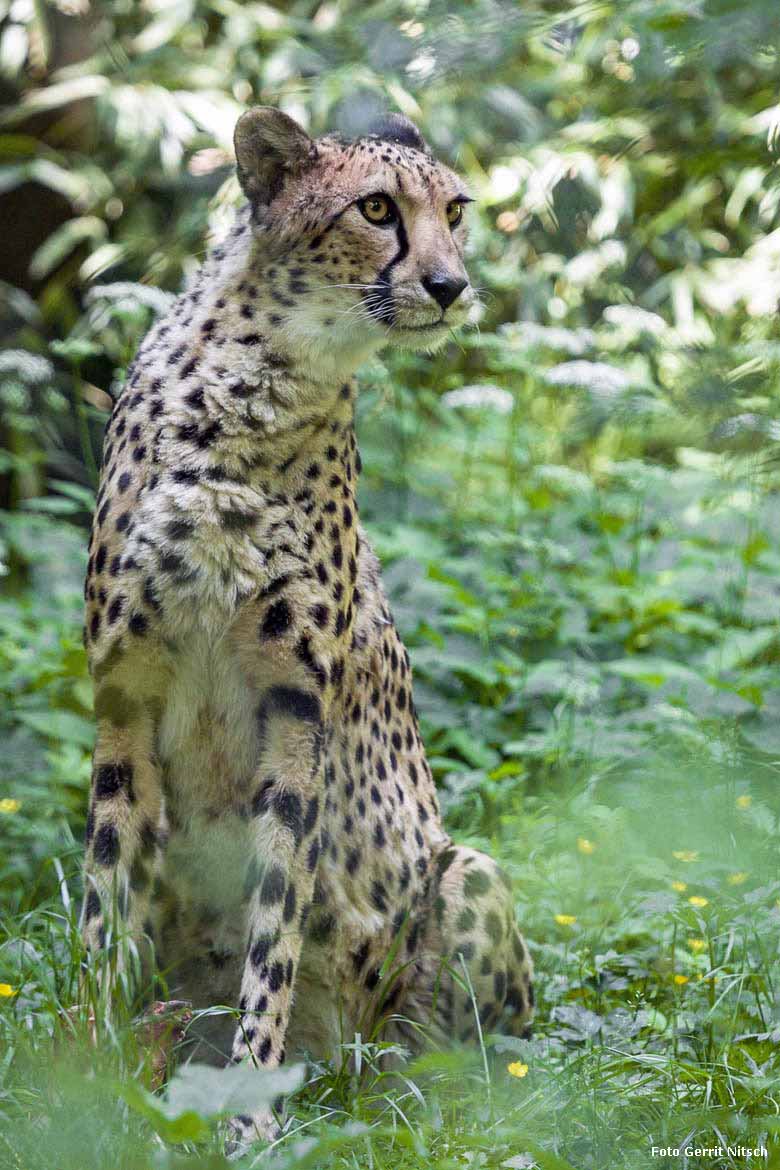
576,506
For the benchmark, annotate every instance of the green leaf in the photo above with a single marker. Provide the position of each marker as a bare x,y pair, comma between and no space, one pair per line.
187,1127
214,1092
59,725
652,672
740,647
63,241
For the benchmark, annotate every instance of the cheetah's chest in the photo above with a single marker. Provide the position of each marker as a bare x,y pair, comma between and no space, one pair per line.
209,549
208,741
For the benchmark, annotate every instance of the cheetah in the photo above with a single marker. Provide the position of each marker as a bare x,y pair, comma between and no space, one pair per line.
261,806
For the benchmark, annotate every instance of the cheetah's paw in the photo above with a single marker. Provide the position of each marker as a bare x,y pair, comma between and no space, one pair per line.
245,1130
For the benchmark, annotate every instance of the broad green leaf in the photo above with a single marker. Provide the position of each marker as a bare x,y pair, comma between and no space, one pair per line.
62,242
653,672
740,647
59,725
210,1092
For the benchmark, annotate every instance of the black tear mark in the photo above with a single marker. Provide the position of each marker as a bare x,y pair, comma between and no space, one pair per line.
379,297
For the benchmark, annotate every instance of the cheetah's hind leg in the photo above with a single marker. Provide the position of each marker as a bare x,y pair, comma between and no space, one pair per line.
471,954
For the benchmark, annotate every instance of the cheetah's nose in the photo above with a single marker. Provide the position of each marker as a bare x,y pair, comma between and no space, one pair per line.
443,288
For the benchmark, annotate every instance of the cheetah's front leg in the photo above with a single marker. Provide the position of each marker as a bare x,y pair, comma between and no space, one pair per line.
286,811
125,831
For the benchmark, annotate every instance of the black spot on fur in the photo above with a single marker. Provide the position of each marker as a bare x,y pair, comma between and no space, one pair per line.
359,958
276,977
106,847
235,521
92,906
273,885
475,884
138,624
179,529
113,778
321,928
321,615
186,475
304,652
277,620
262,798
313,856
310,819
115,608
466,920
261,949
378,896
290,701
289,904
287,806
493,927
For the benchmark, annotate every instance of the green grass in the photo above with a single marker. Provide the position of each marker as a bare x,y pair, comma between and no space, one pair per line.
595,648
657,1018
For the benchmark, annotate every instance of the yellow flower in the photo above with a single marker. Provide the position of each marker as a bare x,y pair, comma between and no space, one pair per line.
686,854
697,900
744,801
7,805
681,887
565,919
680,980
585,846
736,879
696,944
517,1069
6,990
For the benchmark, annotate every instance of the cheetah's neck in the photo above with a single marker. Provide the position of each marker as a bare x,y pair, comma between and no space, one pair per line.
246,444
232,386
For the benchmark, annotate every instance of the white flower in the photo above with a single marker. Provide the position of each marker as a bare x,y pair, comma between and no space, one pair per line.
739,423
29,366
130,294
634,319
573,341
492,397
599,377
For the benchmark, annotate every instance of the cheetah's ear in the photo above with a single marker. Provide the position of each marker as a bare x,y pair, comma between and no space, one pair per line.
398,128
269,145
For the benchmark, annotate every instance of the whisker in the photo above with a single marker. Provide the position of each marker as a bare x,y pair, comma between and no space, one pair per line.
324,287
357,311
360,312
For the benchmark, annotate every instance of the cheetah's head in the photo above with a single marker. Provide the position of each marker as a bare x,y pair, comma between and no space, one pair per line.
366,237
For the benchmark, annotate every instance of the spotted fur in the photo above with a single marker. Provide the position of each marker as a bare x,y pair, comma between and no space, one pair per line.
261,799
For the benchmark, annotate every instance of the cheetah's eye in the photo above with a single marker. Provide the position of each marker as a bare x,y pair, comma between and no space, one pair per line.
454,213
378,209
